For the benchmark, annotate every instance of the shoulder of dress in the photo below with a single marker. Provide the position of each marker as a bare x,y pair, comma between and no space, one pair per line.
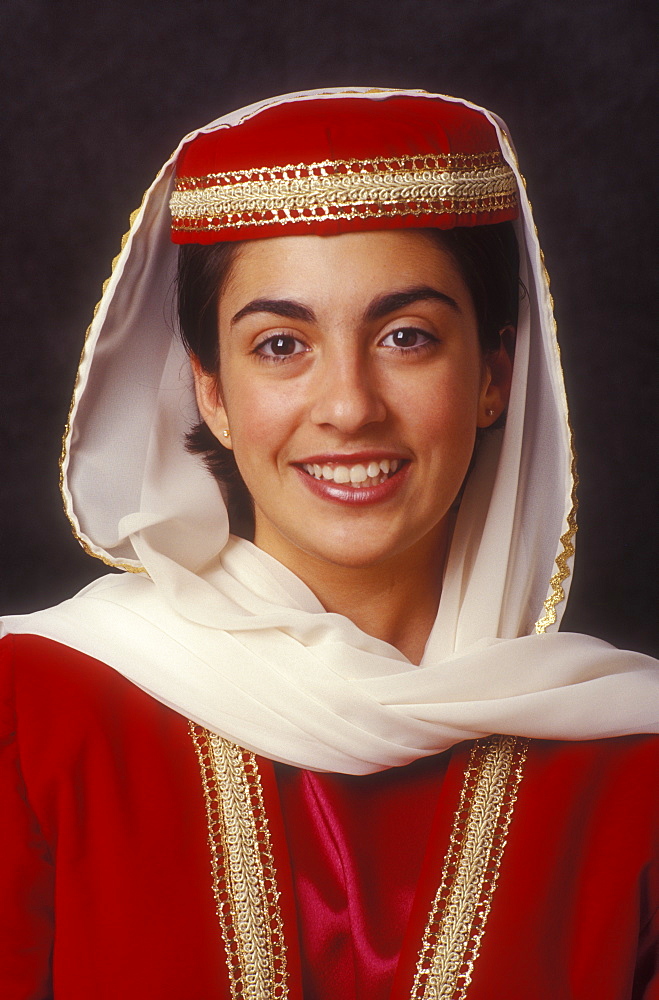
50,684
613,775
612,752
37,660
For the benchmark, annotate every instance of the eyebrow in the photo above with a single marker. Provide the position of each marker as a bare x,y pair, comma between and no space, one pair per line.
389,303
379,308
279,307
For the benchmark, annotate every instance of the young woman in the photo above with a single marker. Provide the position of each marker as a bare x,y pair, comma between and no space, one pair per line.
342,751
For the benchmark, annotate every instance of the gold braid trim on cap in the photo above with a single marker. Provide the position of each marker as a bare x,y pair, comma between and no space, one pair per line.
243,870
344,189
457,919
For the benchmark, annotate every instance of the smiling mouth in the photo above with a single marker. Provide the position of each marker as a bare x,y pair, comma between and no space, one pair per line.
359,476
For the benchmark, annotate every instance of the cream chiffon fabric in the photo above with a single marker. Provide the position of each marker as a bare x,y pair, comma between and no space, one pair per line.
225,635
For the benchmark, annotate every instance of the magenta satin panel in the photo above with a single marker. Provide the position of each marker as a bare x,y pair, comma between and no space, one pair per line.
344,832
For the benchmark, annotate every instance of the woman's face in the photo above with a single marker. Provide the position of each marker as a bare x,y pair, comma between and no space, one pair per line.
352,384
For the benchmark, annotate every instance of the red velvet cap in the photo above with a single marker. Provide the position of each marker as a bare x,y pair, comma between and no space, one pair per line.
326,166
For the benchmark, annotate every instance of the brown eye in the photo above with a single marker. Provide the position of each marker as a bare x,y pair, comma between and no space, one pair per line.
406,337
281,346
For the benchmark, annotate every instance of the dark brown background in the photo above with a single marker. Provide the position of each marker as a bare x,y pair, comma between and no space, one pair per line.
95,97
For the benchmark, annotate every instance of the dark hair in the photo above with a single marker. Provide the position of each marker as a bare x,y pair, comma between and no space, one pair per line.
488,260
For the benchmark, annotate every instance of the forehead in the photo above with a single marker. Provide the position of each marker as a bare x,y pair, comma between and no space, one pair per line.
343,265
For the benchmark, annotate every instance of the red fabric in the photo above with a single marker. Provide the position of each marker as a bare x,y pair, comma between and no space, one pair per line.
349,128
104,833
583,858
103,823
344,832
305,132
575,911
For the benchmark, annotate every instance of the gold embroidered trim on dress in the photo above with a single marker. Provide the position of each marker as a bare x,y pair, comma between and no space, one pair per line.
244,876
456,183
456,922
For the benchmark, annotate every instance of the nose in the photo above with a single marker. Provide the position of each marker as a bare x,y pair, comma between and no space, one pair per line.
347,395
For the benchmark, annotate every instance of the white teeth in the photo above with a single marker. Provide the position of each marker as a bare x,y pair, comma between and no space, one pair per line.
358,475
341,474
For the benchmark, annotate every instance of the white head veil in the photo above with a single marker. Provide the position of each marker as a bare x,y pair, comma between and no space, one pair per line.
225,635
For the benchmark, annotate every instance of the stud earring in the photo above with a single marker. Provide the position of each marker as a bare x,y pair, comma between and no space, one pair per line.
489,413
226,433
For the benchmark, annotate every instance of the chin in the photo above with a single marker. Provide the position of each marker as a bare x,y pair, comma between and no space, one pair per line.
359,553
359,543
354,560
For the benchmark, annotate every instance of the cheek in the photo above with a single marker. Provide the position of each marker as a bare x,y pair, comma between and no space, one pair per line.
445,408
262,416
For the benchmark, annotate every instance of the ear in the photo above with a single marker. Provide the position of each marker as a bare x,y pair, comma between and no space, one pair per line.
209,401
497,378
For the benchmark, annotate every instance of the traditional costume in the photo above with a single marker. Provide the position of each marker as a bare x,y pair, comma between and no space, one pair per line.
192,747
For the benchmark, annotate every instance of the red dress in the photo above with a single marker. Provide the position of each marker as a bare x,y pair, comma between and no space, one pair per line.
143,857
